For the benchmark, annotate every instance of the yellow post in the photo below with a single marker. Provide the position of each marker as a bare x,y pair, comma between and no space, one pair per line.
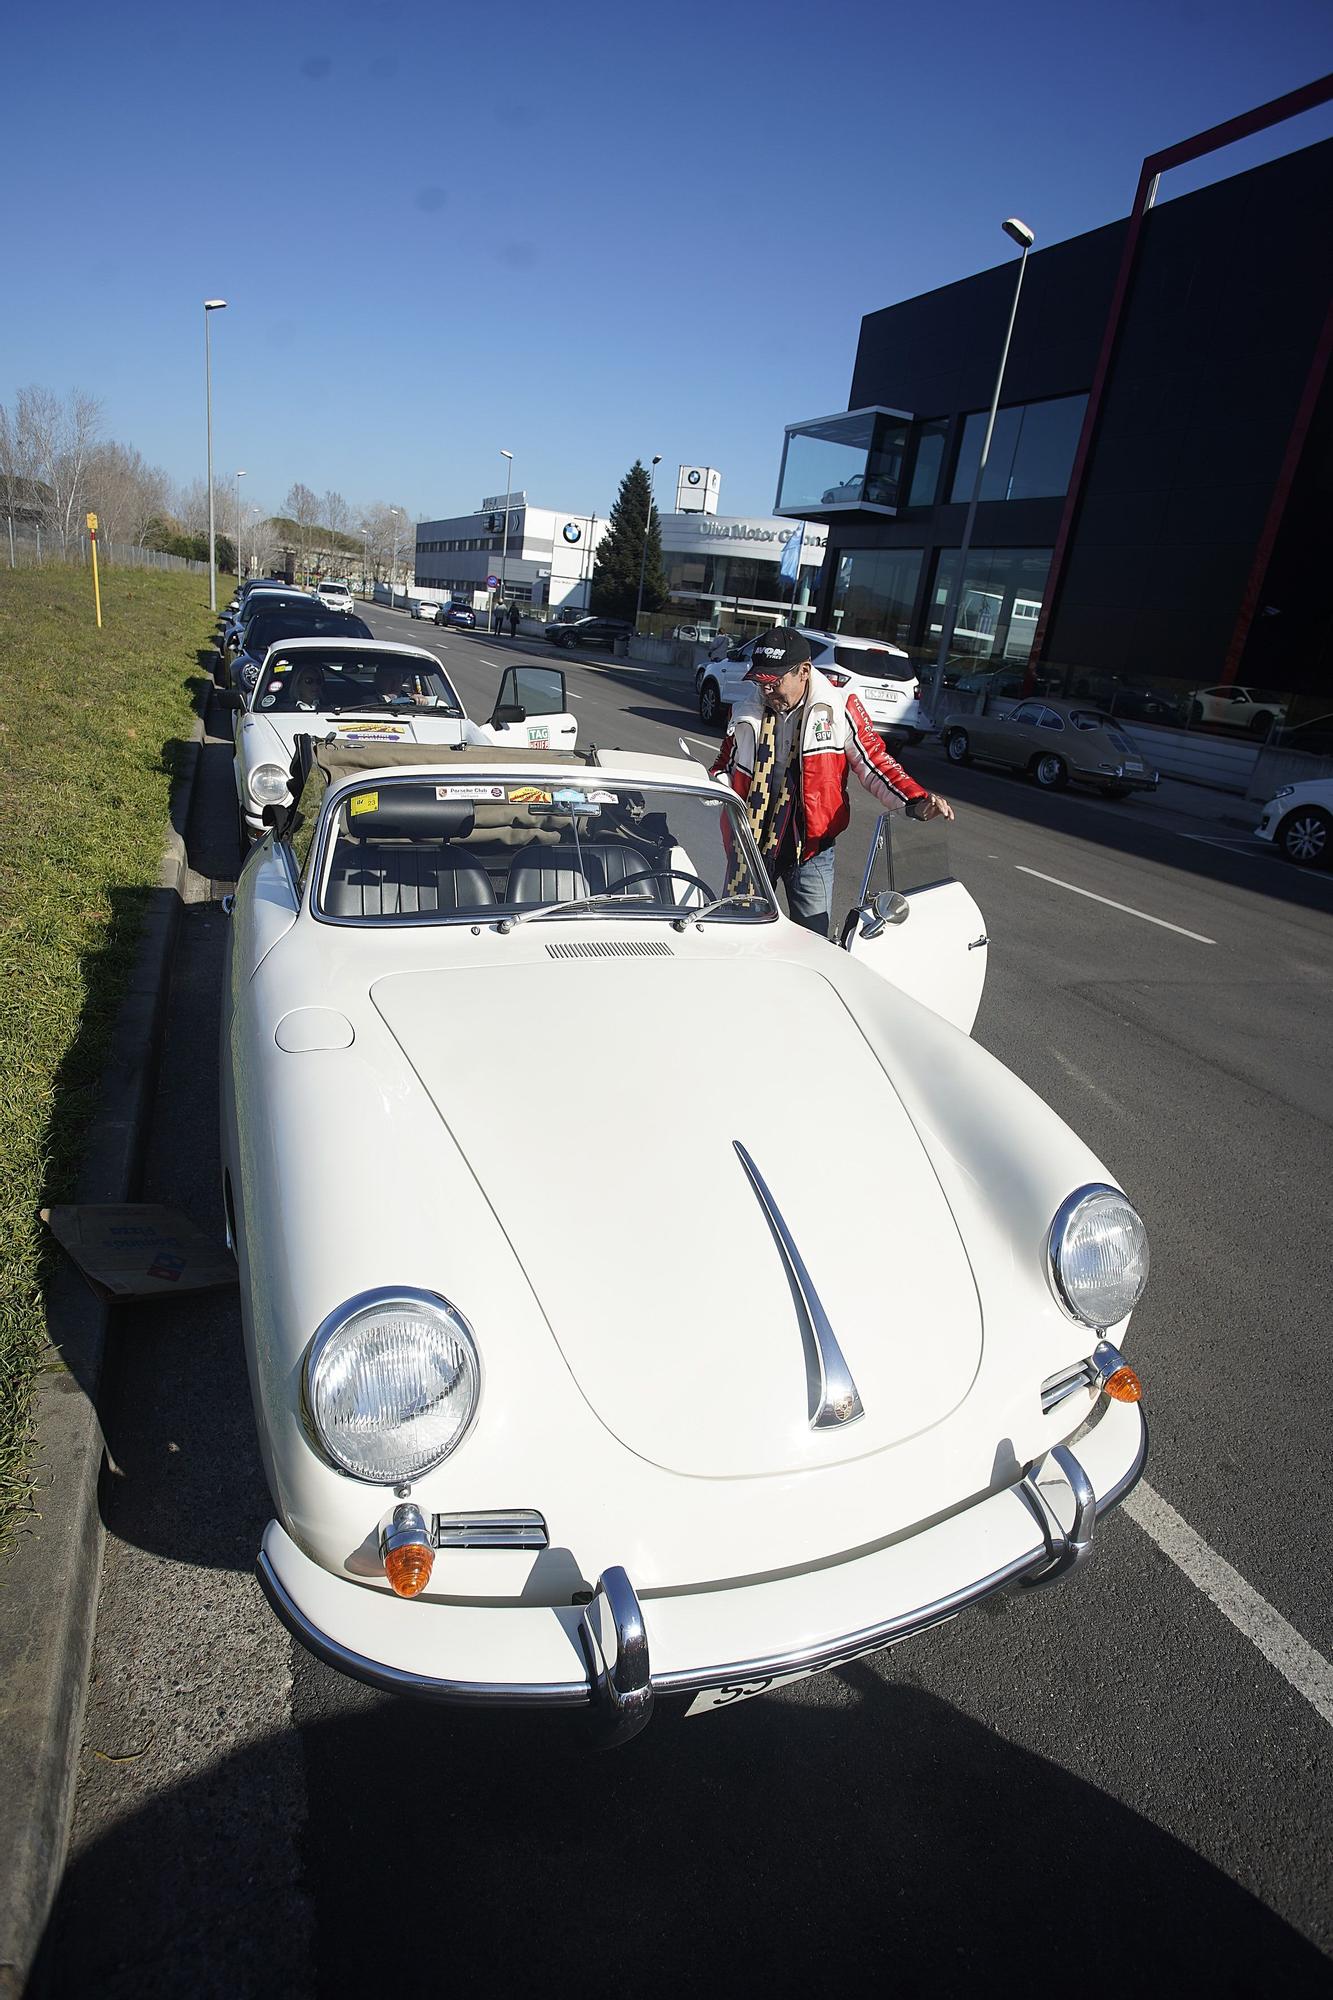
97,589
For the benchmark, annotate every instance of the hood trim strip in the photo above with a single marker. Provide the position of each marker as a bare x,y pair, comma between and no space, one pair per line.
834,1399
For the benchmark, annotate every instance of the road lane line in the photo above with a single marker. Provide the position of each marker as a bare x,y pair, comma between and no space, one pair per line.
1253,1616
1128,910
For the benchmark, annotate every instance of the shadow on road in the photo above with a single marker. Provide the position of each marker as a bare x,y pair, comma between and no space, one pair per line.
889,1842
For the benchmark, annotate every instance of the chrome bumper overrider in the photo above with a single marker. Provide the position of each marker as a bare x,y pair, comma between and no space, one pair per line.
605,1663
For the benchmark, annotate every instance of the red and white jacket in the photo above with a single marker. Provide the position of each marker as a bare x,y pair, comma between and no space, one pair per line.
837,736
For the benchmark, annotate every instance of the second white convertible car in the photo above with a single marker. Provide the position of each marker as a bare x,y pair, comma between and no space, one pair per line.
581,1383
371,691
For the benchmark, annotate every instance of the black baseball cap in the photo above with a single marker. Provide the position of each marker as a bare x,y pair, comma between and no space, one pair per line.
777,652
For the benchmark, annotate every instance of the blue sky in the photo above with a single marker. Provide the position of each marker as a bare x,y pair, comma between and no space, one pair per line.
586,232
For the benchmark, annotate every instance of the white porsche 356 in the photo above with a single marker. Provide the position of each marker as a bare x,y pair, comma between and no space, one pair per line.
369,691
583,1381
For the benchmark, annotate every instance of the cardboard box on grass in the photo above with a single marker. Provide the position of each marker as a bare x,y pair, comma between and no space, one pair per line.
139,1250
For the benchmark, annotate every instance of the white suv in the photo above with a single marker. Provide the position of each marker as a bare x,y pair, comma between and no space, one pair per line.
880,675
334,596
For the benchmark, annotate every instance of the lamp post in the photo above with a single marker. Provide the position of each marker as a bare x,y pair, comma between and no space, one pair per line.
393,567
647,526
508,458
211,306
365,557
1023,236
240,528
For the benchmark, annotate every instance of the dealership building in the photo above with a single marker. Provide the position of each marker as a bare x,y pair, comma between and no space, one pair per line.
546,559
1156,504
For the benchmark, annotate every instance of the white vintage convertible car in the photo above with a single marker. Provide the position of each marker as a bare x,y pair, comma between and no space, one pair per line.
369,691
581,1382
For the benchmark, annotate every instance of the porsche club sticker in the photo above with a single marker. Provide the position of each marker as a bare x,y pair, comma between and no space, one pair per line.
364,802
477,793
528,795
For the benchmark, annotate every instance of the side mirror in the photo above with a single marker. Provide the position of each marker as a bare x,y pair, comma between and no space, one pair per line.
508,711
888,908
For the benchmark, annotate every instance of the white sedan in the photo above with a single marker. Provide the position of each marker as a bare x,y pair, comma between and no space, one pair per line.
1298,820
578,1386
881,675
369,691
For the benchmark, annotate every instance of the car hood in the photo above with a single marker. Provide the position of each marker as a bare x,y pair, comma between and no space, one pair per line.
266,737
602,1126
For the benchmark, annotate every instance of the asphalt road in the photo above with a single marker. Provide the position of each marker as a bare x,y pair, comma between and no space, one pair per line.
1125,1779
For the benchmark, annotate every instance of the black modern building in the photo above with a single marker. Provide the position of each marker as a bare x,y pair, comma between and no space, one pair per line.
1158,502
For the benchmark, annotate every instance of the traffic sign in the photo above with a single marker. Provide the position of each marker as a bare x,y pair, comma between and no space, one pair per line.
492,583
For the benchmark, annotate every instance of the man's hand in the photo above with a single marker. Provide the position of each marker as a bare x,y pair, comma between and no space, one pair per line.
931,807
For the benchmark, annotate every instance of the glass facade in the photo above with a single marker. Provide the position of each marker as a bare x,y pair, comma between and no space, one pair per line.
874,591
928,462
854,459
1031,453
998,605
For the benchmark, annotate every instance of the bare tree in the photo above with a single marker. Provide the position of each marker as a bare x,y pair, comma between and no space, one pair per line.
46,445
389,531
126,493
302,508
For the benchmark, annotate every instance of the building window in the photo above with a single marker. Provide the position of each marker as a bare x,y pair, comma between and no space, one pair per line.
927,462
998,605
874,591
1031,452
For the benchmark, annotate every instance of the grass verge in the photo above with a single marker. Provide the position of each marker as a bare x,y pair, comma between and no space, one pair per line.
92,726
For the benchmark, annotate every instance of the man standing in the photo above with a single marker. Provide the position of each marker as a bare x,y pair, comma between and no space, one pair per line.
793,738
513,619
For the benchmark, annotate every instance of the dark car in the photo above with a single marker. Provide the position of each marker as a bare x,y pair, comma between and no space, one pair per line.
305,621
590,632
457,614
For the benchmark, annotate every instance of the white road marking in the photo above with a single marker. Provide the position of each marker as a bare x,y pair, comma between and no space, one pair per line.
696,739
1253,1616
1127,909
573,696
486,663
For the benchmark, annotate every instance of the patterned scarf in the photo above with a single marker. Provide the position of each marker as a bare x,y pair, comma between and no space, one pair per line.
769,799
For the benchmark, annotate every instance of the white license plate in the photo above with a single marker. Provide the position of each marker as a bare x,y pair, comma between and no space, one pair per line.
726,1694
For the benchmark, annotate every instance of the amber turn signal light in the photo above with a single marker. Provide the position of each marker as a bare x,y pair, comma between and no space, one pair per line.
408,1555
1123,1384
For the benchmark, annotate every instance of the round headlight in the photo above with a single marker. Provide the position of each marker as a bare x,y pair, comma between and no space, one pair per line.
391,1382
268,784
1098,1256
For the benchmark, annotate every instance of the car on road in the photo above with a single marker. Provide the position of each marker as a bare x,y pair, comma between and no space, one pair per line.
1054,742
1298,821
881,676
424,607
335,596
575,1386
377,693
230,639
461,615
603,632
292,620
1255,710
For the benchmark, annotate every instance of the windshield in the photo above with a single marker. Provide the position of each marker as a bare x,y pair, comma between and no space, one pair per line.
325,682
499,849
309,622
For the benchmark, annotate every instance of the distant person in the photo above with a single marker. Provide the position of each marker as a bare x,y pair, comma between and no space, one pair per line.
513,621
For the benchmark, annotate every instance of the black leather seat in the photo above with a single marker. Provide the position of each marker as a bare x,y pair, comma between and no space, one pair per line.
554,874
372,880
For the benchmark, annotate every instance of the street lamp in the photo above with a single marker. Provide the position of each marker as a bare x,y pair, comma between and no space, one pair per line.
210,306
1023,236
508,457
393,568
648,522
240,528
365,557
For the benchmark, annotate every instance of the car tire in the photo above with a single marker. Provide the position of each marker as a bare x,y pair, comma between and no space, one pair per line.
1261,723
1050,772
710,702
1306,837
956,747
1115,791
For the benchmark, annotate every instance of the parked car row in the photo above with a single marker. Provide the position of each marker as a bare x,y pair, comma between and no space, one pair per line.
880,675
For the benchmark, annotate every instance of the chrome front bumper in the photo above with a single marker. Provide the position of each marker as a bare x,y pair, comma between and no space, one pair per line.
615,1654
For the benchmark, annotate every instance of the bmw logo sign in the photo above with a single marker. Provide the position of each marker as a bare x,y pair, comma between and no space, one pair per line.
694,477
572,532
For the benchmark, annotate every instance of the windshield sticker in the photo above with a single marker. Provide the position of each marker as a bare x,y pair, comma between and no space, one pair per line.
539,736
370,732
364,802
475,792
528,795
601,798
283,667
267,700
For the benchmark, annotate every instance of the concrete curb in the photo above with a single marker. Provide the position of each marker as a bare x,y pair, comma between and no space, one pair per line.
49,1589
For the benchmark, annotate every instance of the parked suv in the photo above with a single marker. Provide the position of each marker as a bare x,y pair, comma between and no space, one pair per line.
880,675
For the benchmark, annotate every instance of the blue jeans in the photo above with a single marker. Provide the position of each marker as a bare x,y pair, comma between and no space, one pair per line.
809,886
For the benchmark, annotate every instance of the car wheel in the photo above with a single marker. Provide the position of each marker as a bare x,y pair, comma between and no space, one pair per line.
956,748
1306,837
710,701
1050,772
1261,723
1115,791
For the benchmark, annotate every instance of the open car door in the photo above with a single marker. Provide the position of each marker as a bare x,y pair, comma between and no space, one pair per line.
916,924
532,711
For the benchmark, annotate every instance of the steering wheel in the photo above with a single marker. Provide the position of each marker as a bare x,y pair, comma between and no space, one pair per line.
655,874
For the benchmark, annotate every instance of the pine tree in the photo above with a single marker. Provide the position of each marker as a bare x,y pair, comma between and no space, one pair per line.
615,576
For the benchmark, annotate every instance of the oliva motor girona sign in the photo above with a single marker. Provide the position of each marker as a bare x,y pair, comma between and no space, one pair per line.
682,533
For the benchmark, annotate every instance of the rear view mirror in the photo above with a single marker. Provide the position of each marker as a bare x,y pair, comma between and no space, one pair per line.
507,711
888,908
